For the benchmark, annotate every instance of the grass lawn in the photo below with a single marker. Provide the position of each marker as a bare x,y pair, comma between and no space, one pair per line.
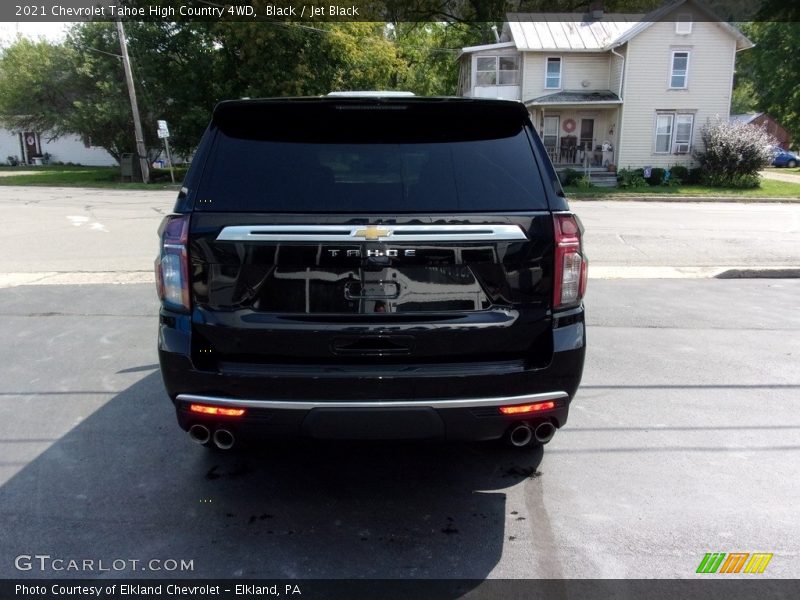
63,175
769,188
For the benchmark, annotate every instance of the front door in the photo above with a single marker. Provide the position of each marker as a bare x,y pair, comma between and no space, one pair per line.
30,145
587,134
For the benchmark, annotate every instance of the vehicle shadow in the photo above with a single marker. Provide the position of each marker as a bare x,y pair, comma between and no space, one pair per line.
126,483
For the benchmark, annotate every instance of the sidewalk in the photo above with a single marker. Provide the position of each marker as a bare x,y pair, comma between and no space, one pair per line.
779,175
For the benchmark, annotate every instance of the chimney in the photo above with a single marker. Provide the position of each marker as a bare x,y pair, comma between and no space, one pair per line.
596,9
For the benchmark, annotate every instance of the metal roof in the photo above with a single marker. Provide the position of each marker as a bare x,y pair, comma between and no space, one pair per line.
572,32
568,32
576,97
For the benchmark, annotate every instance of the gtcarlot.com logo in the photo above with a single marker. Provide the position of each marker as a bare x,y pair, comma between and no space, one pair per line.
734,562
45,562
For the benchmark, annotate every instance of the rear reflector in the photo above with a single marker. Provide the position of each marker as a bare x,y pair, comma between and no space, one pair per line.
216,410
527,408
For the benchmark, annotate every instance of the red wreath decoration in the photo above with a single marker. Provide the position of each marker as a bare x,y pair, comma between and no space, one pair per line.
569,125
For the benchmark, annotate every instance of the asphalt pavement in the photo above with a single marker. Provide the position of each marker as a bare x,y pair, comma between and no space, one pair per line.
682,440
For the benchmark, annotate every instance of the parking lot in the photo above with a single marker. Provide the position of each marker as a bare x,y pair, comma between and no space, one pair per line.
682,440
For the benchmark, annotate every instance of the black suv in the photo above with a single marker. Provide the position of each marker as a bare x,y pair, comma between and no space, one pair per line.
371,268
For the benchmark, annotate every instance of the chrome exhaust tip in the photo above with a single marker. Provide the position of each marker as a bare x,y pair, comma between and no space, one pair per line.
544,432
520,435
199,434
224,439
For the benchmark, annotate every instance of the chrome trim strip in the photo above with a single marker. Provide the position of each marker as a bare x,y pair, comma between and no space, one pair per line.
310,404
371,233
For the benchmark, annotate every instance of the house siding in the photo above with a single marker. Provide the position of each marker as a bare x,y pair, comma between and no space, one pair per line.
576,67
64,149
647,90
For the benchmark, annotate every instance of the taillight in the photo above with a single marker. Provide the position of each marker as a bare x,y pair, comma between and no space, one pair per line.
569,278
520,409
216,410
172,263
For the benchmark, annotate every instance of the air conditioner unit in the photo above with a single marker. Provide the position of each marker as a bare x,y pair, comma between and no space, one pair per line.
681,148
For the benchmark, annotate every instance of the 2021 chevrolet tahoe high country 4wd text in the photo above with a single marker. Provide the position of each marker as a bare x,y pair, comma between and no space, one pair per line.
371,268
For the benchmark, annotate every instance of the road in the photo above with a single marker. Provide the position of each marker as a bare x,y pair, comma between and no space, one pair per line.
75,235
682,440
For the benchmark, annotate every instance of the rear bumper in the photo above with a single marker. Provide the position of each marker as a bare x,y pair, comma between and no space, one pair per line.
454,419
454,402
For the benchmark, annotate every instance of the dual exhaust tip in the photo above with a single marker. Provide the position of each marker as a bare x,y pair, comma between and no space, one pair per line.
519,435
222,438
523,434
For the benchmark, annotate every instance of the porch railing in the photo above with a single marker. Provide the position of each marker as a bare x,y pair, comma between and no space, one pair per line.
583,157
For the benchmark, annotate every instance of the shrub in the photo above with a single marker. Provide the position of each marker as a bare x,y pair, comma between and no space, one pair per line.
733,153
569,177
656,176
679,172
583,182
695,176
737,180
158,175
631,178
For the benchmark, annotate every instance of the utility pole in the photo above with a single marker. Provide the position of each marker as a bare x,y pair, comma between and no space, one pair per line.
137,124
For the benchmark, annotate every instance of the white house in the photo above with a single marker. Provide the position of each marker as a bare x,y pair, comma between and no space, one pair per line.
637,86
25,145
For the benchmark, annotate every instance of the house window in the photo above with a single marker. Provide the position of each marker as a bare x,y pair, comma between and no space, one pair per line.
497,70
664,133
683,134
674,133
683,24
552,78
679,75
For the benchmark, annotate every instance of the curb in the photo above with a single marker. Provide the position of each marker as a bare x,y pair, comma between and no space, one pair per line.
730,272
667,198
9,280
760,273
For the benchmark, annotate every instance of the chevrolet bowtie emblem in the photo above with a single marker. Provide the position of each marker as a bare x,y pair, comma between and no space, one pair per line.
372,232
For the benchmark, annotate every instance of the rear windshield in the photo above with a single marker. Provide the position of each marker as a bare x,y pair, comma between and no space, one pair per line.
370,162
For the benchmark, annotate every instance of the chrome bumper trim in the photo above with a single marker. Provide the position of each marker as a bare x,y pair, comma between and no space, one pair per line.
311,404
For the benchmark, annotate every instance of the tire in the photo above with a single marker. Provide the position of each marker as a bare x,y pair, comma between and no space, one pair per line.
791,164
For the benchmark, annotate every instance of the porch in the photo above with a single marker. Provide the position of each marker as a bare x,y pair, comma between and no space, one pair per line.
578,129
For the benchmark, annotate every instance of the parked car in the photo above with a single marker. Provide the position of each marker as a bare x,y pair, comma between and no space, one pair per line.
371,268
785,158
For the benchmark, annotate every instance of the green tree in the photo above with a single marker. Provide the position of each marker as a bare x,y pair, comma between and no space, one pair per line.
771,72
181,70
36,88
744,98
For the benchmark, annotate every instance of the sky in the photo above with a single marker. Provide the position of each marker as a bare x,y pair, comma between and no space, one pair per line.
50,31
